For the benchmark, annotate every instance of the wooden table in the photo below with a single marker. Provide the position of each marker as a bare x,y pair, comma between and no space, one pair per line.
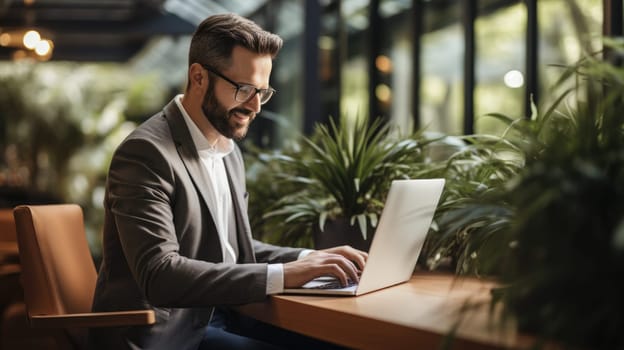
418,314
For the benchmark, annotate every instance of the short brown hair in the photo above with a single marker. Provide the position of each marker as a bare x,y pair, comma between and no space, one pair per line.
216,36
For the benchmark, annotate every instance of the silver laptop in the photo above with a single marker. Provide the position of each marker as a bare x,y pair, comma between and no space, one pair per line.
397,242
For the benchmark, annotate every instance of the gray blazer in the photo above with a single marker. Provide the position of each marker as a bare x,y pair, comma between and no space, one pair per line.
161,249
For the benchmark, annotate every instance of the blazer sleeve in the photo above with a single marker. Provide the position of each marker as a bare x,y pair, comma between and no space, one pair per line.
274,254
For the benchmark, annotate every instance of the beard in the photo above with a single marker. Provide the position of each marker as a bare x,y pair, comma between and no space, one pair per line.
220,117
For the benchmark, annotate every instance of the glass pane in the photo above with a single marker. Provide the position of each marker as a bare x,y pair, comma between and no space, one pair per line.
394,65
286,106
567,30
442,50
500,66
329,61
354,74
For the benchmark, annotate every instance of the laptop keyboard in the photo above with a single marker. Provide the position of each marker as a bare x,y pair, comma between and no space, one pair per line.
335,284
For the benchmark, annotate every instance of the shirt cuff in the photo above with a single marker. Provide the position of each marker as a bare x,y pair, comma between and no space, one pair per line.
304,253
275,279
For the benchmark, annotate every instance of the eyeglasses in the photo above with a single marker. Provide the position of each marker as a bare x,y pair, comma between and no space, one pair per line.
244,92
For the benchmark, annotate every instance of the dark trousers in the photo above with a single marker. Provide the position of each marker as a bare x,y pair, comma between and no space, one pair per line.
231,330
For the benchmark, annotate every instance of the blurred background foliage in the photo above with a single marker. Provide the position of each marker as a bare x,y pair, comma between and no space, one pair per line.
60,123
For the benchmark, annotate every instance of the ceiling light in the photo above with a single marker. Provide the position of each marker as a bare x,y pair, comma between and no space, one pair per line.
43,47
5,39
31,38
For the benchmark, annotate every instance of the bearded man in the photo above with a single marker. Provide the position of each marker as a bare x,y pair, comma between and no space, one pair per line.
176,235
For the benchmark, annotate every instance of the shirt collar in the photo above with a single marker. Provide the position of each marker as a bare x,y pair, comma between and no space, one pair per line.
222,148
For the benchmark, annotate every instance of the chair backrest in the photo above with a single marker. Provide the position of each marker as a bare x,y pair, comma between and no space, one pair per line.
58,272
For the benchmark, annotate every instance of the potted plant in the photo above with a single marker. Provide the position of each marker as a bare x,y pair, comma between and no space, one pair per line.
465,226
555,231
562,277
333,184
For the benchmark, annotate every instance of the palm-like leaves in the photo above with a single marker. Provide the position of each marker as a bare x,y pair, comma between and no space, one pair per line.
355,164
466,223
553,234
569,206
342,171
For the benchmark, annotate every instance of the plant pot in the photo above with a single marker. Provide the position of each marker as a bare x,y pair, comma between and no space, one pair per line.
339,232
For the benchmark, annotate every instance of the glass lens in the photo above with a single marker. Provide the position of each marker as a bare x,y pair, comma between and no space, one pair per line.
244,93
265,95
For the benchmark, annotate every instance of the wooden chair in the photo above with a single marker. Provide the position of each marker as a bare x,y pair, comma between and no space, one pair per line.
9,260
10,287
59,275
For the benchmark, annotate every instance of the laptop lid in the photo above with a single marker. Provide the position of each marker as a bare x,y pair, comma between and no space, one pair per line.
398,239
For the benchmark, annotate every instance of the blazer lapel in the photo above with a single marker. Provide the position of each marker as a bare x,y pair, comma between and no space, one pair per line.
188,154
243,230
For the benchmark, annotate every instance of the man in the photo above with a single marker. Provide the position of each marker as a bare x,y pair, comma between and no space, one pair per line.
176,234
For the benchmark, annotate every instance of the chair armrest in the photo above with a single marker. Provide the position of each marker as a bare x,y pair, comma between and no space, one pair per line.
94,319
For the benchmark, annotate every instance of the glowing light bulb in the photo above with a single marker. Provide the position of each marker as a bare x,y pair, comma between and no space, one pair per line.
43,47
383,93
384,64
31,38
5,39
514,79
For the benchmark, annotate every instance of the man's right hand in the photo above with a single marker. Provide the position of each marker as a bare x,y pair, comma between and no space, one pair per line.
320,263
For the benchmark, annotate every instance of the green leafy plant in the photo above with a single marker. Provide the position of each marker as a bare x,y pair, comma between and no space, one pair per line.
555,231
341,171
465,227
266,172
561,277
59,125
474,211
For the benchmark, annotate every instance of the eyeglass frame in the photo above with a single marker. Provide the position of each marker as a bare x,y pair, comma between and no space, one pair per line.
238,86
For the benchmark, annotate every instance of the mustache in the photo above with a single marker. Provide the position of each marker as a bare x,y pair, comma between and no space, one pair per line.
243,111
